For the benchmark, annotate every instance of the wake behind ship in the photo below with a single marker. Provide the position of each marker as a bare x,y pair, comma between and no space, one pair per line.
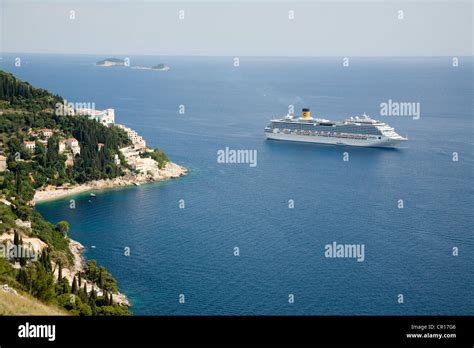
354,131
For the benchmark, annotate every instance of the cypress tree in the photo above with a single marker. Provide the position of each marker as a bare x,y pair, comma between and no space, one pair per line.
43,258
92,298
74,286
93,294
111,300
79,278
22,259
94,308
60,271
23,278
18,181
16,239
83,294
100,277
48,262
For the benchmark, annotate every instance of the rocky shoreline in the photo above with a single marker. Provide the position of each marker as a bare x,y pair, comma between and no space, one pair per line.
171,171
78,266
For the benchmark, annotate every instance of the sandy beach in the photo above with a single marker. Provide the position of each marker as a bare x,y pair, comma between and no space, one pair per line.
171,171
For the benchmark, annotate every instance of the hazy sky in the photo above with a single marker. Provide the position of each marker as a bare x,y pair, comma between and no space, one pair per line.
237,28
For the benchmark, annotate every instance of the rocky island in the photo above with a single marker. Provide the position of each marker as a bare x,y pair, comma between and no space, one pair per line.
160,67
112,62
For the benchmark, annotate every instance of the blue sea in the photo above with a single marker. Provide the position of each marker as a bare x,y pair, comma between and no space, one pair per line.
190,251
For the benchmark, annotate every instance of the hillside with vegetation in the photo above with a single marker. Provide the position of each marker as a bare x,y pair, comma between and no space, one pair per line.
27,117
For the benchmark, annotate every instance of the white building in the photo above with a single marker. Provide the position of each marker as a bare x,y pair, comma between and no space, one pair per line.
137,141
138,165
46,132
3,163
106,117
29,145
73,144
62,146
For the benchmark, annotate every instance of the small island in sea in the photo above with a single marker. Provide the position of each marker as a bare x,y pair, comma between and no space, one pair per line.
112,62
50,148
158,67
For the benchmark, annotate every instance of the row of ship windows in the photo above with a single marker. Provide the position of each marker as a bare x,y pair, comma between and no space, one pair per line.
339,129
329,134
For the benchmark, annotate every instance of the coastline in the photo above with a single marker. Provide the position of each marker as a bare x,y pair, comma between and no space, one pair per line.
50,193
77,250
171,171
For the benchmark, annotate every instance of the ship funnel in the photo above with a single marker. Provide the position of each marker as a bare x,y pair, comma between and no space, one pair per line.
305,113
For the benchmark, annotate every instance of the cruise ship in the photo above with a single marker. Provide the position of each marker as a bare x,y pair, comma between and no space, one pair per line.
354,131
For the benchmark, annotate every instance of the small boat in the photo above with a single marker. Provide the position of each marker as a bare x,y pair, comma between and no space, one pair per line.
136,183
92,194
93,246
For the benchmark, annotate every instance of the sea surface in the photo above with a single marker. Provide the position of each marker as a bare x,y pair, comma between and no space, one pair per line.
190,250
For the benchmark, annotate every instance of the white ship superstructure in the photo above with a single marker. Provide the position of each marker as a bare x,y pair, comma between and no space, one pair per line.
354,131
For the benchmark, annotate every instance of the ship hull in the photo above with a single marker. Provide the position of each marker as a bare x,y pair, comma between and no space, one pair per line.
383,142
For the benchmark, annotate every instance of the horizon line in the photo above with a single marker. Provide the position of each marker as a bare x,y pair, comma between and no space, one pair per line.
110,55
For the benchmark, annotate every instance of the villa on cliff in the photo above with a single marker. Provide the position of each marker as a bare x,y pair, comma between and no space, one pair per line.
137,140
73,144
131,153
106,117
29,145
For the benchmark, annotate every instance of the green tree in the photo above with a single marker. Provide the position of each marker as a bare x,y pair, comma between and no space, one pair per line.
60,271
74,286
42,283
16,238
63,227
